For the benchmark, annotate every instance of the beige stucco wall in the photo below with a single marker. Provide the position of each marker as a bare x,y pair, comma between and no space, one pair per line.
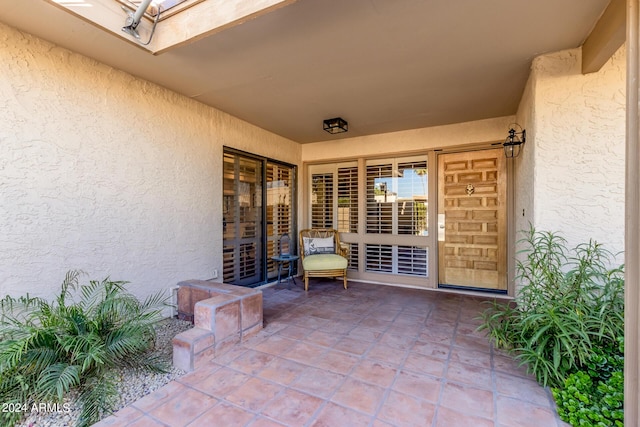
523,171
107,173
571,175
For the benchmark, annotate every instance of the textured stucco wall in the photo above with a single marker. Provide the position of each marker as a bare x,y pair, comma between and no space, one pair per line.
574,159
107,173
523,166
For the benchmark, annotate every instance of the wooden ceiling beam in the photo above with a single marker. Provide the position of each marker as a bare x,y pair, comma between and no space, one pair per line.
605,38
209,17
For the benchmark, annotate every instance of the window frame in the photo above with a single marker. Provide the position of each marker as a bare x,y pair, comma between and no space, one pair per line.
404,272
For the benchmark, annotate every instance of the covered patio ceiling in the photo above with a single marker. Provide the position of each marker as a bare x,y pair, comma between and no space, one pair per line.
382,65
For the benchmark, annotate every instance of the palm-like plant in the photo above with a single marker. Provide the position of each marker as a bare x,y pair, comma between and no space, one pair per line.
571,303
48,349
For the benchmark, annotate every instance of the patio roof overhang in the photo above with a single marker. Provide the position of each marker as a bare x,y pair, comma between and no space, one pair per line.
286,65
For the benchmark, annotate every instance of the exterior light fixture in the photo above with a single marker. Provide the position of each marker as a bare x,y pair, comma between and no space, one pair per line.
513,144
337,125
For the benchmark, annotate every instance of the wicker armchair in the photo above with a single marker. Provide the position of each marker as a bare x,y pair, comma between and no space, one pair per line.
322,255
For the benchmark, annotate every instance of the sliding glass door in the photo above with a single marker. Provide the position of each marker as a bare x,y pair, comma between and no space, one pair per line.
242,220
257,211
279,211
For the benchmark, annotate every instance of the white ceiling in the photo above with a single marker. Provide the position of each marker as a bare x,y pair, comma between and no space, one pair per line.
383,65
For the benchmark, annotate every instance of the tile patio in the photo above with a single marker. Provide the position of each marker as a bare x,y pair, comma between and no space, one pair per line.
369,356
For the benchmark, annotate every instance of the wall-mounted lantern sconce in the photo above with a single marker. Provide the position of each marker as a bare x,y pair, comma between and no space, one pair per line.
513,144
336,125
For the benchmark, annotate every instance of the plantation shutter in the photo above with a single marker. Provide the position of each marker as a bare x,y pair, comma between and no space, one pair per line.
379,258
354,250
322,200
280,194
412,260
380,208
379,199
242,219
348,199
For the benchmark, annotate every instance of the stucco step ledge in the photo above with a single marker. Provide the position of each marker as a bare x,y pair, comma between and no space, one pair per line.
223,316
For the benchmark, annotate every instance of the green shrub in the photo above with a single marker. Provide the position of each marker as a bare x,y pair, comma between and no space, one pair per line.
50,348
583,402
569,305
594,396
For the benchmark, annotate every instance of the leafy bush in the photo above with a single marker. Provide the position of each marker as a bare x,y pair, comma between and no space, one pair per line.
570,305
50,348
594,396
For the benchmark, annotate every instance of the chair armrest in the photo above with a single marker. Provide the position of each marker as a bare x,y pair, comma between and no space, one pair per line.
343,250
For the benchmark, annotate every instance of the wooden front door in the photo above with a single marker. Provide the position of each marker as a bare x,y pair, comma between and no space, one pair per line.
472,220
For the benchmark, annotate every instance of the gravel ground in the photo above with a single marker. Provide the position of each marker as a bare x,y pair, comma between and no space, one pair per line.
132,384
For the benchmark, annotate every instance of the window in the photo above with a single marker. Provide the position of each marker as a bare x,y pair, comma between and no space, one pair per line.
413,260
397,197
397,259
412,198
380,197
348,199
322,200
334,197
387,232
379,258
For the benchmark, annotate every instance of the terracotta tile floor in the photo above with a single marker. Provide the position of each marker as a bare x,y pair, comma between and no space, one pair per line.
369,356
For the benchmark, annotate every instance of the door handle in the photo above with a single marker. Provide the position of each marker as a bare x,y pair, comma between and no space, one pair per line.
441,228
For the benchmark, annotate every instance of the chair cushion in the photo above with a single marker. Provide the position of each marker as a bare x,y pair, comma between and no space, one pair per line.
321,262
318,245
